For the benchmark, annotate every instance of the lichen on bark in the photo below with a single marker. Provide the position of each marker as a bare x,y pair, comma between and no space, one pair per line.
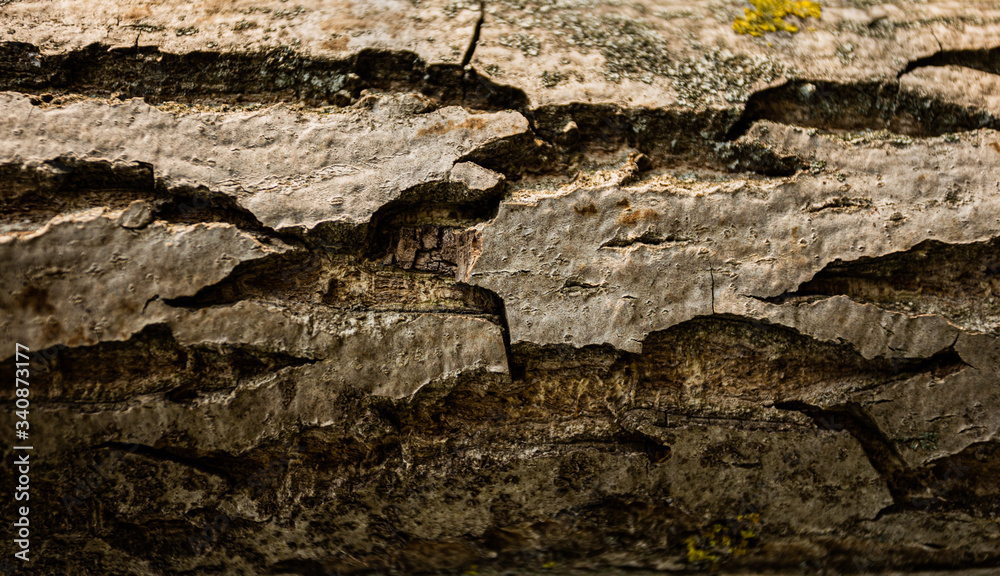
769,16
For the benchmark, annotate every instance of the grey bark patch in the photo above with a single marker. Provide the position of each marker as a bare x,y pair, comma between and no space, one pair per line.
137,215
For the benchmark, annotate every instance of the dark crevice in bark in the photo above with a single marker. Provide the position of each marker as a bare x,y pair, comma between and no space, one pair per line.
32,193
758,158
443,209
442,203
149,362
467,410
301,566
903,270
939,365
839,203
277,75
337,283
648,238
206,465
680,140
446,204
511,156
859,106
256,471
474,41
36,191
277,277
609,126
982,59
199,204
581,134
952,280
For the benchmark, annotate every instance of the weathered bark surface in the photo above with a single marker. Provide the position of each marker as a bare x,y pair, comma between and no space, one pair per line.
346,287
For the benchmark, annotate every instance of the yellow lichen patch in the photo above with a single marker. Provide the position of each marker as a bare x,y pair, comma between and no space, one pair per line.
769,16
720,542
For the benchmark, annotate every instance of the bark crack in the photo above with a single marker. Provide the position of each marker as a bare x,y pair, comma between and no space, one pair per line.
467,58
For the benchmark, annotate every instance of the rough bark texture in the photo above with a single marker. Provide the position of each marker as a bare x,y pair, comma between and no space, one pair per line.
399,287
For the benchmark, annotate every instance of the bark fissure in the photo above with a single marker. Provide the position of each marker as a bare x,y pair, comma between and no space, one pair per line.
955,281
854,107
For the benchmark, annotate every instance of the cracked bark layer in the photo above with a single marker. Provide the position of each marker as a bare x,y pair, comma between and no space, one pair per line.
365,302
